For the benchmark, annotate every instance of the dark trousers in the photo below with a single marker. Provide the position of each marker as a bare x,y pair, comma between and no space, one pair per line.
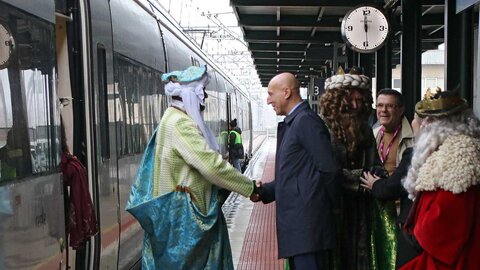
308,261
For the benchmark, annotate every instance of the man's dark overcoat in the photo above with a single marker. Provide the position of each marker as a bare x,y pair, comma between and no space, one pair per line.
304,187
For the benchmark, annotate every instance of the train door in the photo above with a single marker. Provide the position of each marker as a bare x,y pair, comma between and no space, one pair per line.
32,231
64,93
101,101
476,70
139,62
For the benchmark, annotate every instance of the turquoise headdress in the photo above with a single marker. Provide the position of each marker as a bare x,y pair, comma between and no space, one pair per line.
190,74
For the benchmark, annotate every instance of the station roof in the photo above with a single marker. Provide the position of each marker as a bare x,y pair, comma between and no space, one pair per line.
297,35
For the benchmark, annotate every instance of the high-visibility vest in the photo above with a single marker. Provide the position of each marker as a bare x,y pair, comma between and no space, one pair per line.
238,138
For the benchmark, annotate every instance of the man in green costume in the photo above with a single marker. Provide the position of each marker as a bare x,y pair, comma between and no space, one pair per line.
175,193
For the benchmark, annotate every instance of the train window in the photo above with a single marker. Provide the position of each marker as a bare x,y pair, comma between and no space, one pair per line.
141,104
29,114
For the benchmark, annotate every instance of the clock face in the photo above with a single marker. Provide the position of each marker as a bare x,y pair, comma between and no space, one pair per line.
365,29
6,44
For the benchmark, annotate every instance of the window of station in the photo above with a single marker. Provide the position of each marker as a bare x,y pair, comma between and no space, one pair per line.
430,83
140,105
396,83
29,112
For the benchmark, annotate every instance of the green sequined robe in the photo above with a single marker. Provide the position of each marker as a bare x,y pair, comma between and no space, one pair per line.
366,226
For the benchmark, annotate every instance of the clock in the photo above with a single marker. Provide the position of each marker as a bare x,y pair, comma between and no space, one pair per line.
365,29
6,46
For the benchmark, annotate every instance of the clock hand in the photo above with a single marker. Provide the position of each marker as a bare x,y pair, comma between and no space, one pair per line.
365,25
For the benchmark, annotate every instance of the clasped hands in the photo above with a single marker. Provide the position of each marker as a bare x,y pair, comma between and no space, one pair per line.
257,193
368,179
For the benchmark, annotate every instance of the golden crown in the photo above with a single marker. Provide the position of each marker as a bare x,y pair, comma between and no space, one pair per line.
436,102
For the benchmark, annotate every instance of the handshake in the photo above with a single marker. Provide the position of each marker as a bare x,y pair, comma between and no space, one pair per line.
258,191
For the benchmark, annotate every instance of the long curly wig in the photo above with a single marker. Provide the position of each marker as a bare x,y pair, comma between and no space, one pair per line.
433,133
351,129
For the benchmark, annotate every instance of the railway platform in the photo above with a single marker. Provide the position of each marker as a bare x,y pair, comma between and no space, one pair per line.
251,225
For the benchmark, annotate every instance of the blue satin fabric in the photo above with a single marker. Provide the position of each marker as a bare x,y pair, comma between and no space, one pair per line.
177,234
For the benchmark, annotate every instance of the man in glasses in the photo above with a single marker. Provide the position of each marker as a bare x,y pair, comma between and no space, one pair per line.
394,134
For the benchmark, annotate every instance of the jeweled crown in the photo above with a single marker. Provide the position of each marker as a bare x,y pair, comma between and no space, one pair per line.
436,102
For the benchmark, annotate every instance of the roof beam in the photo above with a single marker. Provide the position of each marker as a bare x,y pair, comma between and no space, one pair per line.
272,47
293,37
433,2
320,53
263,76
289,20
274,55
433,19
301,77
265,80
262,73
307,67
297,3
286,68
427,36
295,62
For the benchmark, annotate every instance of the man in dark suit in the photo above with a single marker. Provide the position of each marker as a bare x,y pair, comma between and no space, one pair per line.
304,187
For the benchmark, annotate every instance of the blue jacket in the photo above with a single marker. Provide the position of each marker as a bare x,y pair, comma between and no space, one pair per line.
304,187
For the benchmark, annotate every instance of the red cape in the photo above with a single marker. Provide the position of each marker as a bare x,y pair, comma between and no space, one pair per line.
447,227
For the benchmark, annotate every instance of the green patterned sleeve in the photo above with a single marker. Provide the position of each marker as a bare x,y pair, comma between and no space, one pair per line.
192,147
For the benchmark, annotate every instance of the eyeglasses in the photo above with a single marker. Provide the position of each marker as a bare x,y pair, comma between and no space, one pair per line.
388,106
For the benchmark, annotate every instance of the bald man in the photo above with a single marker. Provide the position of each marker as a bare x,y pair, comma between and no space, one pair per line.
304,188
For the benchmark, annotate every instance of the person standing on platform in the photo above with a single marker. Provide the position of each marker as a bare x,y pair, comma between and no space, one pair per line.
235,145
174,195
444,181
391,188
394,134
304,186
366,227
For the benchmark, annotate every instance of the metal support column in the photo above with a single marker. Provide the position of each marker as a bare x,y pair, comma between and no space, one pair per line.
411,58
383,62
383,71
352,58
476,97
366,62
459,50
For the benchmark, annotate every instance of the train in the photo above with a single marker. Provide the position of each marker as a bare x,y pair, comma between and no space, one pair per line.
92,69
